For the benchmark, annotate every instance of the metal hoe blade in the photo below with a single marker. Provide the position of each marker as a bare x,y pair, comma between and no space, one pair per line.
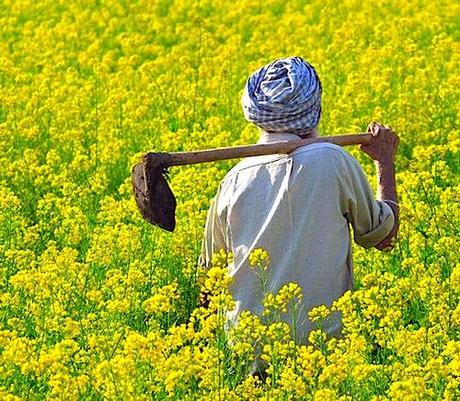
154,198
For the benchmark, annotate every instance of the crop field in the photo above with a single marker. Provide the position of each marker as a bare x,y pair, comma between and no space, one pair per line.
97,304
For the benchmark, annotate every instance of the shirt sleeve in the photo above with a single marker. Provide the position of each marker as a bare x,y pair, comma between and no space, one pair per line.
372,220
213,239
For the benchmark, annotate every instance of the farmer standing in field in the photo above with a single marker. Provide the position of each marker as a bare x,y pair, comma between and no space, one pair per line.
298,207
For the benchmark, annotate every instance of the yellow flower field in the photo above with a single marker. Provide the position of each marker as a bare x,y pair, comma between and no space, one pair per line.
96,304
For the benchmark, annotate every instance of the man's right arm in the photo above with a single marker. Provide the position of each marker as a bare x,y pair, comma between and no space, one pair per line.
213,238
213,241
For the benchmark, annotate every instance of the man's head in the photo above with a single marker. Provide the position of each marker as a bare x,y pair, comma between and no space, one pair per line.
283,96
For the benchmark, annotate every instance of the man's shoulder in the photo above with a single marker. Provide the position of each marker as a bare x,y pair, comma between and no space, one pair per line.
254,161
319,154
323,156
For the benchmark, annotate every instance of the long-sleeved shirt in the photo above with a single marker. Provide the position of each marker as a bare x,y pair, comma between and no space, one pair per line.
297,207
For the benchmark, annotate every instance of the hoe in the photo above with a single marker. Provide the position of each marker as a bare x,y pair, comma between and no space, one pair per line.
155,199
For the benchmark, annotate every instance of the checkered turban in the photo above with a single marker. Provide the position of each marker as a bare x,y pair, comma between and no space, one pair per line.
283,96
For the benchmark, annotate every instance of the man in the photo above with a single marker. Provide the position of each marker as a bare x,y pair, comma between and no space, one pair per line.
298,207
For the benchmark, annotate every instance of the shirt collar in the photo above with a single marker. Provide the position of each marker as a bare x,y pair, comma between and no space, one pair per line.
266,137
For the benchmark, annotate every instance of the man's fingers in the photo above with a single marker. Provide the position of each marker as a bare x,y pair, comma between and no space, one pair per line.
375,129
372,128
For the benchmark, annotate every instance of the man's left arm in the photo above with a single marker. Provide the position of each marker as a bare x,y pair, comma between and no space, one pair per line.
386,182
382,149
374,221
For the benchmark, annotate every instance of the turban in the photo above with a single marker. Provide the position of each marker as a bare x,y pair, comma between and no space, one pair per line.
283,96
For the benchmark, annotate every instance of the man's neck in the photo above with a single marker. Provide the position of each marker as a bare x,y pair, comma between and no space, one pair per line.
313,133
269,137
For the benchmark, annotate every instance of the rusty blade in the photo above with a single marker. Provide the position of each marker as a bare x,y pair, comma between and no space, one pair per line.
154,198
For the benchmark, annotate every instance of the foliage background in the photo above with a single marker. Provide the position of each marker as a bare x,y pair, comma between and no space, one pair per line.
94,302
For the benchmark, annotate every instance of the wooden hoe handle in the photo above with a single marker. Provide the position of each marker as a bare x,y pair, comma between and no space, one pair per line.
209,155
155,199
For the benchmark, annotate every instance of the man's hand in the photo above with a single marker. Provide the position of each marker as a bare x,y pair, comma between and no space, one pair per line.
383,145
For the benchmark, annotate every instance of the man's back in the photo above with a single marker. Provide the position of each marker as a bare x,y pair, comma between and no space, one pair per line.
296,207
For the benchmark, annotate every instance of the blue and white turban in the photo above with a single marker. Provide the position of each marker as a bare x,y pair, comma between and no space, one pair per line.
283,96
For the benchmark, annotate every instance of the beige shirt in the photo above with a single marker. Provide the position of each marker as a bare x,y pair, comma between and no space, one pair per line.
298,208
